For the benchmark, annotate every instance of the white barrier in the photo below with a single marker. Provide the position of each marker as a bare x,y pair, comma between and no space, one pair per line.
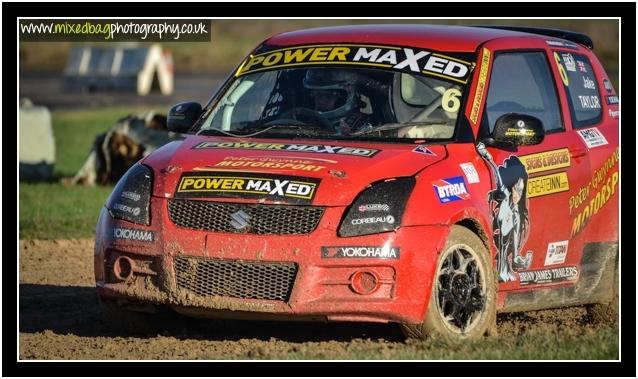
36,152
119,68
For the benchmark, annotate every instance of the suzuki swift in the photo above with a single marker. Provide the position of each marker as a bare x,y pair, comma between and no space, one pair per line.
430,176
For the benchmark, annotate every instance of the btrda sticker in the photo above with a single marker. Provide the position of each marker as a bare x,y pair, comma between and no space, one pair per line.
451,189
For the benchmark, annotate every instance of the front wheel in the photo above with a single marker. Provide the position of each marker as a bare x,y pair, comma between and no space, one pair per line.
463,298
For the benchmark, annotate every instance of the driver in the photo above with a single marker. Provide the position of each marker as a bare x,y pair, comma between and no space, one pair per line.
335,96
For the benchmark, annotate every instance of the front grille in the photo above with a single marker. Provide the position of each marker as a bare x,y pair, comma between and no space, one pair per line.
245,280
263,219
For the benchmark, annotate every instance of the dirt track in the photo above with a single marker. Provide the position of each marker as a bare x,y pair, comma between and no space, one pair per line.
59,319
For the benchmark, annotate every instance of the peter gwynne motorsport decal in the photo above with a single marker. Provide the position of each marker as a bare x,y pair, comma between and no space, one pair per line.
247,185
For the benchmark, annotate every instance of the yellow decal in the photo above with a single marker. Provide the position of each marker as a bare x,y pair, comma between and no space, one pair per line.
598,201
546,161
548,184
266,185
480,86
402,59
561,70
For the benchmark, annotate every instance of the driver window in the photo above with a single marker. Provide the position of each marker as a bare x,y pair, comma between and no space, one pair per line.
521,82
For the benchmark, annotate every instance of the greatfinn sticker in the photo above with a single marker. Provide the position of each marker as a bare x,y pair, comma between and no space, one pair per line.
403,59
324,149
247,185
547,184
451,189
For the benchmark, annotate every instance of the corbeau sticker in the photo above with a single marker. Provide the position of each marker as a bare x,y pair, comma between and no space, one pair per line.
134,234
373,220
550,275
382,252
402,59
451,189
556,253
548,184
592,137
324,149
226,184
546,161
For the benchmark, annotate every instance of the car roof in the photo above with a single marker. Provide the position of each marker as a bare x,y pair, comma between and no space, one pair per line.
435,37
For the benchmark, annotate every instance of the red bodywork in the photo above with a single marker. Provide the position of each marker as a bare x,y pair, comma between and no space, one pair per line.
323,288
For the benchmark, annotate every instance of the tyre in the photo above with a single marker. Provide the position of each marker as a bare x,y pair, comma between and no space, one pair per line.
463,298
118,319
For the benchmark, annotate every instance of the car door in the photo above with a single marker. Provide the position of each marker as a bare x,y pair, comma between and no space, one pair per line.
532,186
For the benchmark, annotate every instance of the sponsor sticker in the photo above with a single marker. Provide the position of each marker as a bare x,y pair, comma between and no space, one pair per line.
611,99
592,137
480,86
268,163
608,87
562,44
423,150
568,61
588,83
131,195
389,219
548,184
581,66
374,207
470,172
226,184
134,234
614,114
395,58
549,275
451,189
546,161
135,211
381,252
321,149
556,253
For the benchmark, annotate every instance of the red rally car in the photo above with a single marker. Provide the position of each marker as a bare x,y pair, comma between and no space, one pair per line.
426,175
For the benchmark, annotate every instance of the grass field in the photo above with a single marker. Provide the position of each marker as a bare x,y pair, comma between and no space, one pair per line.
51,210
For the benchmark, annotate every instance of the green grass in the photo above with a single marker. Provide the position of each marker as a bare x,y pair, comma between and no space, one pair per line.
51,210
75,130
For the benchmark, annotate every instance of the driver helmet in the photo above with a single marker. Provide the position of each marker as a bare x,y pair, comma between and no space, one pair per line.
338,83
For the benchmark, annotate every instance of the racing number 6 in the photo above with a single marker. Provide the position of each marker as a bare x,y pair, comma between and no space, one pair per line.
561,69
451,102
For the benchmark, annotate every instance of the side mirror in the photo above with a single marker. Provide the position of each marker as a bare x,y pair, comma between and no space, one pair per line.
182,116
515,129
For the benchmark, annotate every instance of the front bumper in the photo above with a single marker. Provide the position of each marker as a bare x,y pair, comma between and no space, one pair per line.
322,286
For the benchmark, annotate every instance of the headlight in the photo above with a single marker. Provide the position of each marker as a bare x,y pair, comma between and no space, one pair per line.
377,209
130,200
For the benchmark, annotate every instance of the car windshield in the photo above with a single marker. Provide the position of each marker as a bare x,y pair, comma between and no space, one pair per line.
336,103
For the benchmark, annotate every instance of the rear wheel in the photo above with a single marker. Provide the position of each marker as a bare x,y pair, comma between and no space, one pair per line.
463,298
